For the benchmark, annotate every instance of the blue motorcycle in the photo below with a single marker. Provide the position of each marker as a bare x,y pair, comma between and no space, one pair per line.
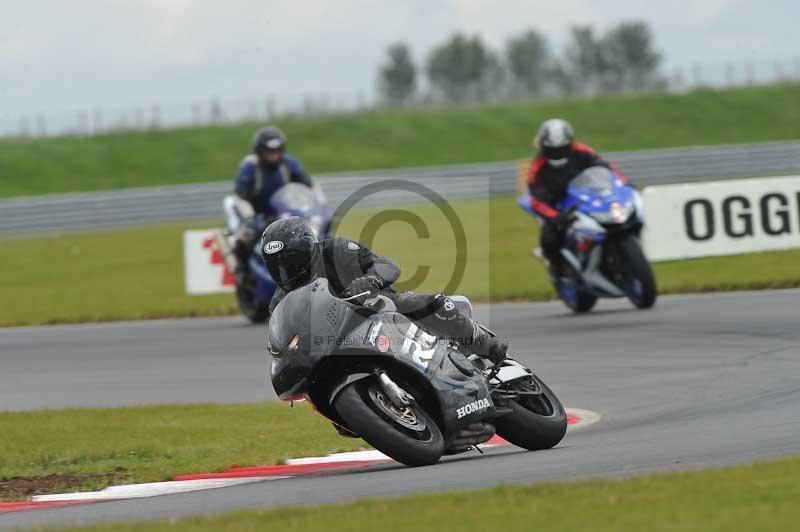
254,290
602,248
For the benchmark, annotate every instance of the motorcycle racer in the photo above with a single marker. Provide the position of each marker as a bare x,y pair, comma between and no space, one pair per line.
261,173
294,257
558,161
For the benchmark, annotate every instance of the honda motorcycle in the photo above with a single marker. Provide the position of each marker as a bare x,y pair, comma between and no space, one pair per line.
412,395
602,249
254,291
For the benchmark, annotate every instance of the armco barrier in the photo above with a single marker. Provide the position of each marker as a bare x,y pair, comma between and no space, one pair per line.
204,201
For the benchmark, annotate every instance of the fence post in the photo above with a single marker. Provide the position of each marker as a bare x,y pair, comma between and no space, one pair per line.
155,117
269,108
216,112
97,119
750,73
730,75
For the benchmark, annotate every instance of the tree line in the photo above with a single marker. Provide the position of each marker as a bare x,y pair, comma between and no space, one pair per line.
464,69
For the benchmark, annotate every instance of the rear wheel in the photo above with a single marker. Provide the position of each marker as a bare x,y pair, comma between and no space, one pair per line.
253,309
538,420
408,435
640,283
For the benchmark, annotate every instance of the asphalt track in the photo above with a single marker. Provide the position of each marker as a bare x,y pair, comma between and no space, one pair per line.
705,380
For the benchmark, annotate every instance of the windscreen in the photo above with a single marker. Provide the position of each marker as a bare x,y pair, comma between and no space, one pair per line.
295,197
599,180
312,313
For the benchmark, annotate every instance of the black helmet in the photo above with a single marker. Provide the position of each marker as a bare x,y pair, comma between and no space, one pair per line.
289,250
269,141
555,140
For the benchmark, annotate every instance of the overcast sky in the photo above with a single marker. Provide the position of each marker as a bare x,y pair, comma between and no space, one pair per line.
72,54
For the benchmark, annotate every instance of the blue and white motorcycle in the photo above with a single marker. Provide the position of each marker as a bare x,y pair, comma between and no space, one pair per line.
255,291
602,247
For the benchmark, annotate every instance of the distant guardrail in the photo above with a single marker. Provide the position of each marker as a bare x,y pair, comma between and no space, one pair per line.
138,206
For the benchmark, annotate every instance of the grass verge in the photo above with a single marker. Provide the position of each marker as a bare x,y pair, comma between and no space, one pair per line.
399,139
52,451
762,496
138,273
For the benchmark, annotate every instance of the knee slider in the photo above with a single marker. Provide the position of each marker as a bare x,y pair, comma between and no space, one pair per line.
444,307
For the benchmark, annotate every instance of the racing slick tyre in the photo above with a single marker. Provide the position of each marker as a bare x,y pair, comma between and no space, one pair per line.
576,299
251,307
538,420
641,286
408,435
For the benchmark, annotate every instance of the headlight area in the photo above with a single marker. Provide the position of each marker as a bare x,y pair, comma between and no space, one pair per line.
617,213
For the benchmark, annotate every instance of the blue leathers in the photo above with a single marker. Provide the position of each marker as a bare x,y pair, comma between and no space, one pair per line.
257,183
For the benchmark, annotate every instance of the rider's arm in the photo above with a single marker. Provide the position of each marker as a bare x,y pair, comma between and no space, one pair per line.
541,200
381,268
245,179
297,173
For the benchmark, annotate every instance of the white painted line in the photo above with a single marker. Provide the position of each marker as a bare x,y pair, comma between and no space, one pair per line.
353,456
151,489
586,418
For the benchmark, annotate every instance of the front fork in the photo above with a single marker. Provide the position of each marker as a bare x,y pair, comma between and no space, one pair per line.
398,396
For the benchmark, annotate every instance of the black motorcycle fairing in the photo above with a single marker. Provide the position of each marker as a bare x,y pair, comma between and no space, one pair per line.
317,340
317,318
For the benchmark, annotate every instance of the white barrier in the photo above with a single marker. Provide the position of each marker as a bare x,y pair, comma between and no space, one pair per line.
721,217
204,268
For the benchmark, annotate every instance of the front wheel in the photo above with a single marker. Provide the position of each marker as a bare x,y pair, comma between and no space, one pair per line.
575,298
408,435
538,419
640,285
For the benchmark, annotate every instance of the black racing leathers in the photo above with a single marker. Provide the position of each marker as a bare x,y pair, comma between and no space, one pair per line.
342,260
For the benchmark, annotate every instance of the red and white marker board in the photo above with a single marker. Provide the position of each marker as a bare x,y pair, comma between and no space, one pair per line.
204,267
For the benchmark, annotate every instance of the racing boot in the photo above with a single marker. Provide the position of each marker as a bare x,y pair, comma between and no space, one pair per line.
470,436
487,346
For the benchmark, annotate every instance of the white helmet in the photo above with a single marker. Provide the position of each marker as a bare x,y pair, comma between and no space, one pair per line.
554,139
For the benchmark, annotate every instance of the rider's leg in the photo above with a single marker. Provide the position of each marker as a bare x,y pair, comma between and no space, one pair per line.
551,240
245,239
438,314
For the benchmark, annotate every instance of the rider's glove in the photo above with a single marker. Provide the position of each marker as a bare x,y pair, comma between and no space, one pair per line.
359,285
562,220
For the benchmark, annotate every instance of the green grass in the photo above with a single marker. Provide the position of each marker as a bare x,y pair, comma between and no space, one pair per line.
153,443
399,139
759,497
138,273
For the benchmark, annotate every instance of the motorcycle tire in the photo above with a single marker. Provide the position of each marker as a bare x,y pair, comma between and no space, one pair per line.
642,288
536,422
577,300
252,309
411,437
